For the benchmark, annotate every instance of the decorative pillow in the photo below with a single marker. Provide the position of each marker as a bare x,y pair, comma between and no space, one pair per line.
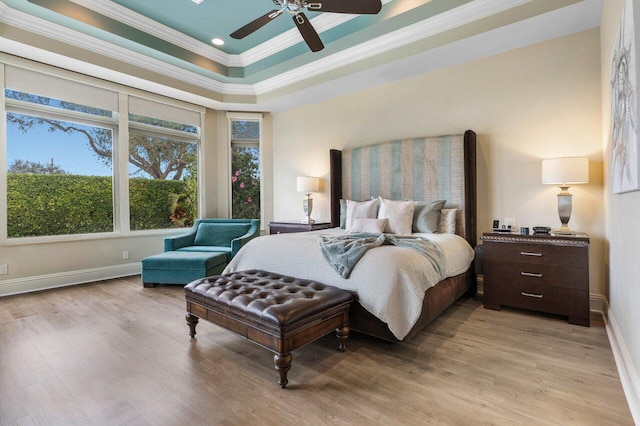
343,213
368,209
426,216
448,221
373,226
400,215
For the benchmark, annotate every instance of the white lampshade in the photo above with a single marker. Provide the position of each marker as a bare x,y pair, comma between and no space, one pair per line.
308,184
565,171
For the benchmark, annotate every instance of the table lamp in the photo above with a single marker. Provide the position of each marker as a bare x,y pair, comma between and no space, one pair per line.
565,172
308,185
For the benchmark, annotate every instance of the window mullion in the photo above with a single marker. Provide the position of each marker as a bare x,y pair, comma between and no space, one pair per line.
3,161
121,167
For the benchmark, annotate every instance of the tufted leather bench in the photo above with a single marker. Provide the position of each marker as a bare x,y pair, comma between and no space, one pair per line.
277,312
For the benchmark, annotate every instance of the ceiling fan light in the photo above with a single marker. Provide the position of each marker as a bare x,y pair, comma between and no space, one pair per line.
217,41
197,1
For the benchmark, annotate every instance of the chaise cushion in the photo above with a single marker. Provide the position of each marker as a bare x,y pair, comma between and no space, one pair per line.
219,234
218,249
184,260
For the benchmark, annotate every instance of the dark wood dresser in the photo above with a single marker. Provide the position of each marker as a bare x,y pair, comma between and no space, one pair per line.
545,273
287,227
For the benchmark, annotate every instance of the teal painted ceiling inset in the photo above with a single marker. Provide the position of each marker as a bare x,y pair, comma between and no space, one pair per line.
214,18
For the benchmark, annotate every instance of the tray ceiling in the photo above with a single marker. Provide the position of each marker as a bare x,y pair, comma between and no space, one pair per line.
172,38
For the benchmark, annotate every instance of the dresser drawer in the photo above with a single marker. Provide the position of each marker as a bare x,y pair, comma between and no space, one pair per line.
536,274
553,300
567,256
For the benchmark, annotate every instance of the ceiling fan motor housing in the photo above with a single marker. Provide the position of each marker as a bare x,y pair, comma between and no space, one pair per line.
292,7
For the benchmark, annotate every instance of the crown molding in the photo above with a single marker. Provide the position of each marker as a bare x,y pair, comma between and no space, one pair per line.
54,31
461,15
288,38
467,13
127,16
108,8
321,23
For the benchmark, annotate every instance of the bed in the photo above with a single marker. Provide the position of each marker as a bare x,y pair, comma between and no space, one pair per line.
396,294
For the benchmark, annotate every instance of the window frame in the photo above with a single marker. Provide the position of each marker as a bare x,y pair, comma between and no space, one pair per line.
76,117
165,133
118,123
245,116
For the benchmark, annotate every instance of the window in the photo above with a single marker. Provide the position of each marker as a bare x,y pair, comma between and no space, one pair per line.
69,162
163,175
59,167
245,168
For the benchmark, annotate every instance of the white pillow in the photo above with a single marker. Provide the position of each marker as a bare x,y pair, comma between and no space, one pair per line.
448,221
400,215
373,226
367,209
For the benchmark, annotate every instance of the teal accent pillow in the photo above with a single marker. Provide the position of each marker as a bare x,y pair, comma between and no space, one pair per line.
219,234
343,213
426,216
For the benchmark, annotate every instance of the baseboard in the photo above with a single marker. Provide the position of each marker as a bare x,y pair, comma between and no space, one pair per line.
626,369
63,279
599,304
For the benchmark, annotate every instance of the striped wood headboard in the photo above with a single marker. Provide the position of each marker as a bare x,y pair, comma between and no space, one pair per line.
429,169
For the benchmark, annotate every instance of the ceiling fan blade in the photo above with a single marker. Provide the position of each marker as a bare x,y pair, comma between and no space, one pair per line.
309,33
346,6
256,24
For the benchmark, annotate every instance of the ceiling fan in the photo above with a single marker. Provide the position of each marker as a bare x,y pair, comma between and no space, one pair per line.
296,7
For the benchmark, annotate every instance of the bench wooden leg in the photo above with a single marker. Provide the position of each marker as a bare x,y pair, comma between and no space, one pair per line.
149,285
343,334
283,365
192,321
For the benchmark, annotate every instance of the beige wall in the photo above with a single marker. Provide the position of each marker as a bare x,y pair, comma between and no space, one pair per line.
622,229
537,102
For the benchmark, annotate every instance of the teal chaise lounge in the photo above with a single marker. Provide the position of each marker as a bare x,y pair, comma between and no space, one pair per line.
205,250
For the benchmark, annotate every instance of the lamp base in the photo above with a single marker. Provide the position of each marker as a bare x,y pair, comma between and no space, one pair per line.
307,205
564,211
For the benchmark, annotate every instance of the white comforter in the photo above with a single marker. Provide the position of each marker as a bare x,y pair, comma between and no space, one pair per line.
390,281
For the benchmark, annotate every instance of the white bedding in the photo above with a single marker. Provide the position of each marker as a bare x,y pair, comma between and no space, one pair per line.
390,281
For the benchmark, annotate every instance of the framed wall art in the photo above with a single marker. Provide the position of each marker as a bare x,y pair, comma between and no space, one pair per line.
625,168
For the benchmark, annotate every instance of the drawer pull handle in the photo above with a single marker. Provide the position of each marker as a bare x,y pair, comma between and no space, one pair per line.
531,274
537,296
527,253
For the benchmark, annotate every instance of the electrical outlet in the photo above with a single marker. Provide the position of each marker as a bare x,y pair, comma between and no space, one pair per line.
125,255
3,270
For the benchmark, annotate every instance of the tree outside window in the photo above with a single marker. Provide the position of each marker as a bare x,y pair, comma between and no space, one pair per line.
60,170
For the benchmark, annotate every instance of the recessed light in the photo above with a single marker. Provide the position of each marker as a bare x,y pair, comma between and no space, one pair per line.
197,1
217,41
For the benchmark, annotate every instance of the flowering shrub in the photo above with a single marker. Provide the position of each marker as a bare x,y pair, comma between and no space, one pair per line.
245,183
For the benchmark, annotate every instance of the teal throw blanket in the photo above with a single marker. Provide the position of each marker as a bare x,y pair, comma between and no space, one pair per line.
343,252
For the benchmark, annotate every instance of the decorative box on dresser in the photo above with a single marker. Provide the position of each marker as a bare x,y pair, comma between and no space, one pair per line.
287,227
546,273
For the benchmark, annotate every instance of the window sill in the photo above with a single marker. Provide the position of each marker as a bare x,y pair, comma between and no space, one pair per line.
92,237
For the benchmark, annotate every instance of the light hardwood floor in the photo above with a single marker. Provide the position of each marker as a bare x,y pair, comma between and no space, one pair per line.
113,353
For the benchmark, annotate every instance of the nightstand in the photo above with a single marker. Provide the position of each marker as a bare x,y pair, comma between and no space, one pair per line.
287,227
545,273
